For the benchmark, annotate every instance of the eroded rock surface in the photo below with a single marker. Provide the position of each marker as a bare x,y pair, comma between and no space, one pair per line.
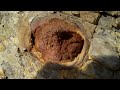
103,32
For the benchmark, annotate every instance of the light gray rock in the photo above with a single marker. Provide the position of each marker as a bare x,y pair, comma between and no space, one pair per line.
116,75
118,22
103,49
75,12
107,22
15,63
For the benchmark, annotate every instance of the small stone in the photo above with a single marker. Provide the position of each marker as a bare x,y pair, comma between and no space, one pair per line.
2,47
89,16
76,13
95,70
107,22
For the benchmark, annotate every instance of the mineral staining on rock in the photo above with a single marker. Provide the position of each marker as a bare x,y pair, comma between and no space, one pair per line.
57,41
16,62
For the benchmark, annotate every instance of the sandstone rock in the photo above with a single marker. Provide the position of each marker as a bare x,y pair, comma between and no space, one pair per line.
95,70
89,16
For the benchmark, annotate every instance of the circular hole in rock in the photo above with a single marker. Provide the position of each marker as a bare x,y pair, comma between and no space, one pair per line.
57,42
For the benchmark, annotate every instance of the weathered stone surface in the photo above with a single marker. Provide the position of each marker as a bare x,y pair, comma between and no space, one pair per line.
13,61
118,42
107,22
90,28
2,47
118,22
17,63
95,70
67,12
76,12
113,13
103,49
116,75
2,75
89,16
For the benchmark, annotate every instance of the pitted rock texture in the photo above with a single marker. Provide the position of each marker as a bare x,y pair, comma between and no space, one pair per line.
57,41
103,32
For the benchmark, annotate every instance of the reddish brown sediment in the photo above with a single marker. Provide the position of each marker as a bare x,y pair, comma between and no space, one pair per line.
57,41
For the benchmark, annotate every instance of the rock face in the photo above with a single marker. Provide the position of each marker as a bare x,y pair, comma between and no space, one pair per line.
57,41
90,16
102,31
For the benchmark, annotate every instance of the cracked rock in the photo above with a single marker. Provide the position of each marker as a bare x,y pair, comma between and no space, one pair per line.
16,62
103,49
89,16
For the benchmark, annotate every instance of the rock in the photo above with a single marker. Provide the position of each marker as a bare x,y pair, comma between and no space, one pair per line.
2,75
25,67
2,47
113,13
116,75
75,12
118,22
103,49
89,16
8,25
118,42
90,28
67,12
107,22
18,63
95,70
